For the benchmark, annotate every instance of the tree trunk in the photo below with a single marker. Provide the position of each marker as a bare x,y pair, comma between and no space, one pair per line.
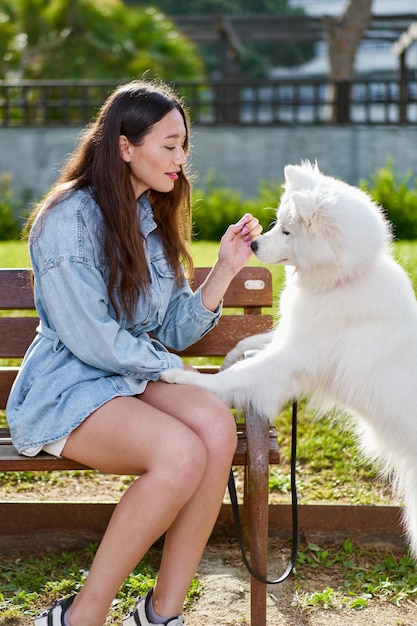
344,35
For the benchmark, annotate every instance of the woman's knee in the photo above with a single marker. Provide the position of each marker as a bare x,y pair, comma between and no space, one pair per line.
220,434
185,463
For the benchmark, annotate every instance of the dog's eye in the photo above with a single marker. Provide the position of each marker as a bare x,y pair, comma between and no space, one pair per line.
285,231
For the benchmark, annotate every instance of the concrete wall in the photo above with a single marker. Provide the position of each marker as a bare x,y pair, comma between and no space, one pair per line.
241,157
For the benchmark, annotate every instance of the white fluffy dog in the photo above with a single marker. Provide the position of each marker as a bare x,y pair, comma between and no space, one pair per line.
347,334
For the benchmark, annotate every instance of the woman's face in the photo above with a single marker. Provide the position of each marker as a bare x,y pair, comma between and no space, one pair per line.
156,162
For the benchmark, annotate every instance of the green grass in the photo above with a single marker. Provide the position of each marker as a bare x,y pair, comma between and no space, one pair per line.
32,582
359,577
14,254
329,467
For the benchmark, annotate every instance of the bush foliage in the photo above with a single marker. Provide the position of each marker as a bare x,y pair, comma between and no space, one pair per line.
397,194
216,206
10,224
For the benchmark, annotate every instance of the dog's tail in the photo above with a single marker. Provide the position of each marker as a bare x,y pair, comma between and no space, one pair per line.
397,464
405,483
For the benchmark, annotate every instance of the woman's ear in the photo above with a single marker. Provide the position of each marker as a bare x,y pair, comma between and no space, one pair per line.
124,148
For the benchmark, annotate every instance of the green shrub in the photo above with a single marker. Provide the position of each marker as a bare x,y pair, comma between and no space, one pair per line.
216,206
397,194
10,224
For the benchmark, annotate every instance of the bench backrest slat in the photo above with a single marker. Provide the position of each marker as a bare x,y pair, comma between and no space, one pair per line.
7,376
229,330
16,333
16,289
252,287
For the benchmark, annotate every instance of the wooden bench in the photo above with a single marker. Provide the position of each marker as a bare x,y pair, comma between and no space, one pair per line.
257,446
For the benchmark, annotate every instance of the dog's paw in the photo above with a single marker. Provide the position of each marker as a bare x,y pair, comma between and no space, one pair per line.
246,347
180,376
172,376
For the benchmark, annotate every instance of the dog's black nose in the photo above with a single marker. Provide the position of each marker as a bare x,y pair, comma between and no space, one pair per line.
254,245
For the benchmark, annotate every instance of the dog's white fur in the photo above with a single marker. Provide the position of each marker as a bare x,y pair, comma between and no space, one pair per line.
347,334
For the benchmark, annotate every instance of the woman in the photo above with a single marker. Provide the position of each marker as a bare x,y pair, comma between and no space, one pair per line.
108,246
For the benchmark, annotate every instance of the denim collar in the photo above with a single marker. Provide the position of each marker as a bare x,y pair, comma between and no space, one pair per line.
146,218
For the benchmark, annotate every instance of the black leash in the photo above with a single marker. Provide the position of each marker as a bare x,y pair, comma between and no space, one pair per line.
294,508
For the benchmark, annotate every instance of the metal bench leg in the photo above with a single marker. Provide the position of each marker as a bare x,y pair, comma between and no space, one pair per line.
258,465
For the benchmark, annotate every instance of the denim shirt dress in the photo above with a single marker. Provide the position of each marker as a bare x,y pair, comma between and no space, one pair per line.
83,356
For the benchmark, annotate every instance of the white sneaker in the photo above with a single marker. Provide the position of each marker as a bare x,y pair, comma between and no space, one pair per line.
55,615
138,616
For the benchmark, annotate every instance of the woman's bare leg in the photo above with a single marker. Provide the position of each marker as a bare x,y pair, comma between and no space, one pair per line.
180,440
217,430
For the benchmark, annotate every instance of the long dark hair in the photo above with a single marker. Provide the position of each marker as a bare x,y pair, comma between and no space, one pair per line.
131,110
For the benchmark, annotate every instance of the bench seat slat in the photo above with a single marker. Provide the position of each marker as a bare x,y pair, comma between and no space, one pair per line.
10,460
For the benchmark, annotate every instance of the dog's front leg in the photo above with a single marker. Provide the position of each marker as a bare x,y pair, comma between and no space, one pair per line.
263,382
254,342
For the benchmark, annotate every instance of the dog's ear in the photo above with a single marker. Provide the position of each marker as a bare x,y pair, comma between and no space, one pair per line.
290,172
300,176
311,207
304,207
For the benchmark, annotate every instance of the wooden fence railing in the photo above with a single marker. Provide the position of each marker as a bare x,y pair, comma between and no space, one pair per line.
369,101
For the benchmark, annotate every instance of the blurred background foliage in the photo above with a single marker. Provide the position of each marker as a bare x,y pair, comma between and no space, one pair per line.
257,58
86,39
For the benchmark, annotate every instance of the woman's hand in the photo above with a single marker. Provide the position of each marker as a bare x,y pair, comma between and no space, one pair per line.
234,253
235,250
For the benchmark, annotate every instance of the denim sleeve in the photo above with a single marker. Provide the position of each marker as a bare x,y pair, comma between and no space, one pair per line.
77,307
187,320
